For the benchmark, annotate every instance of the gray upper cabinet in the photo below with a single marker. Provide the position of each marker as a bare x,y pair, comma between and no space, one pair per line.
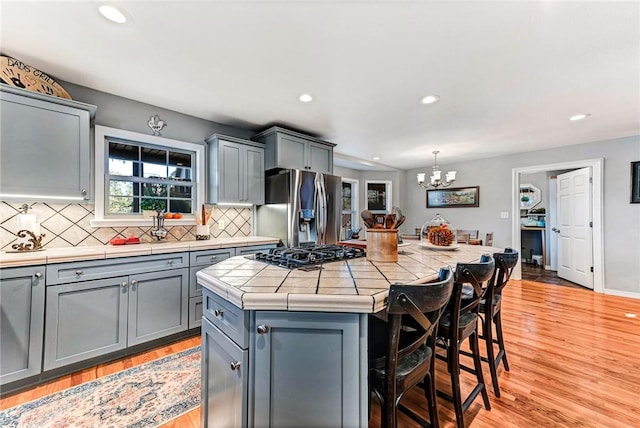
236,170
290,149
22,325
44,146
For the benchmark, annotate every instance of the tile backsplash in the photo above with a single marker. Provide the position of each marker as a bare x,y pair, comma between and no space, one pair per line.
67,225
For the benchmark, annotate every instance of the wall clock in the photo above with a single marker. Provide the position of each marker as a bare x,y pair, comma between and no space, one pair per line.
21,75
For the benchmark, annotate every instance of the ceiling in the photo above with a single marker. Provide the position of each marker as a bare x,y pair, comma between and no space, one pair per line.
509,75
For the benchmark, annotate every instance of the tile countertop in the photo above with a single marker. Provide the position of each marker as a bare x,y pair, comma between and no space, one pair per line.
72,254
356,285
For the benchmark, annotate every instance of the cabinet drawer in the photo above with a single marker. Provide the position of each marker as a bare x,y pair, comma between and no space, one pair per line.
63,273
195,312
201,260
210,257
252,249
232,320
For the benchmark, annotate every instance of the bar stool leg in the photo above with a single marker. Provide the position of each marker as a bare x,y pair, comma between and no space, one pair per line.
475,350
487,332
498,321
455,385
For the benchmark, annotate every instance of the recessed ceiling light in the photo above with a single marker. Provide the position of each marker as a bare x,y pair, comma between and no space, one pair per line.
376,158
305,98
112,13
581,116
430,99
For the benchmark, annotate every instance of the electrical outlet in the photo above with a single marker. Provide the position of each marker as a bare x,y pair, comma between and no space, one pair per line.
221,224
504,214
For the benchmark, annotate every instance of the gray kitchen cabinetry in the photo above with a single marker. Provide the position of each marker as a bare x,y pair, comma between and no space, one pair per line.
198,261
22,325
290,149
236,170
98,307
275,368
225,363
252,249
44,146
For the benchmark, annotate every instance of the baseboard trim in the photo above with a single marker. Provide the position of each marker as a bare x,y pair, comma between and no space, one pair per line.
620,293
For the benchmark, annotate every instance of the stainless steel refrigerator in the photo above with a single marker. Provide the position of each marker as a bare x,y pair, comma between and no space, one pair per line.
301,208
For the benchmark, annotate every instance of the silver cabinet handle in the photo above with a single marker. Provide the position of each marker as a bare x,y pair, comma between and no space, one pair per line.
170,262
263,329
218,312
83,191
235,365
213,258
78,272
134,282
38,275
124,284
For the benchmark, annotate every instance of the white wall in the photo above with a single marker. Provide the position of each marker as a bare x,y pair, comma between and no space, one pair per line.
493,175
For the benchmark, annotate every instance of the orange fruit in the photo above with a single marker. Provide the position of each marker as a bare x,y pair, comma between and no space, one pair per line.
177,215
168,215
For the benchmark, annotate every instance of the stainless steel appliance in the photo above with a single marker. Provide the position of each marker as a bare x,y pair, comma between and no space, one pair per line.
301,207
308,257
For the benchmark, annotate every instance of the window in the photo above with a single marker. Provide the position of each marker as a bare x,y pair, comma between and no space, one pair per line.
137,172
350,219
379,196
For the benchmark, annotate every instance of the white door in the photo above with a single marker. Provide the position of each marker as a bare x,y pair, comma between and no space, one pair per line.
575,237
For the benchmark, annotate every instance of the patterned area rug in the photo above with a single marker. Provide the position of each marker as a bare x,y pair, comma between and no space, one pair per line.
143,396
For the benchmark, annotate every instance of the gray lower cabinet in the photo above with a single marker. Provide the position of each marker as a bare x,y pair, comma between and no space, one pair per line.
252,249
225,366
306,369
86,319
303,368
199,260
48,136
22,324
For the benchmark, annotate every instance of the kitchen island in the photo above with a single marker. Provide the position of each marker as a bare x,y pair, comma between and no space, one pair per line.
288,347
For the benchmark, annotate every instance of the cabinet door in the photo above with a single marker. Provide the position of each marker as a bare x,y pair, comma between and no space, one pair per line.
254,175
320,158
252,249
306,369
158,305
230,172
49,140
224,380
22,325
292,152
195,312
85,320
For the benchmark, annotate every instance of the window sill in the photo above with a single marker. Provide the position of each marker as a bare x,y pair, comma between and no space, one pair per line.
141,222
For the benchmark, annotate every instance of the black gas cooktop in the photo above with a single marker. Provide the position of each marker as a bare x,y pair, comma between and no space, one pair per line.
308,256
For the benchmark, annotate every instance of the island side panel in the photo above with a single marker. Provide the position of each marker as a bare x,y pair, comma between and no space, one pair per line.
307,369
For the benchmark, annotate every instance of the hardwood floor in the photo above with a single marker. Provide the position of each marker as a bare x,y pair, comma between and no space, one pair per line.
537,274
574,358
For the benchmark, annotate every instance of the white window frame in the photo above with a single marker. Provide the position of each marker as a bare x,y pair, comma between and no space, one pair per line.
388,186
355,218
102,133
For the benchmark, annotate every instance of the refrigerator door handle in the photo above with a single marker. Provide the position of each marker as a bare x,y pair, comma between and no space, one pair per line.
321,209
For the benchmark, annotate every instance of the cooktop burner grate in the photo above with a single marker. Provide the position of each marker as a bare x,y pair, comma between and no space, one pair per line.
303,257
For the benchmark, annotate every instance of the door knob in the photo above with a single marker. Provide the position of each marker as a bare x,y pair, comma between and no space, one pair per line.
263,329
555,230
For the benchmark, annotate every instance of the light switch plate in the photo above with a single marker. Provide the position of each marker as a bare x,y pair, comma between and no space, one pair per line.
504,214
221,224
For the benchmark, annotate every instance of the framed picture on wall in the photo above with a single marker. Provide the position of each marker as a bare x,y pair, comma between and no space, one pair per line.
635,182
459,197
378,196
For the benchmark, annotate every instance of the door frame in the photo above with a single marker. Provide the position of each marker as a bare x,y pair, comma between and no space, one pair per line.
597,168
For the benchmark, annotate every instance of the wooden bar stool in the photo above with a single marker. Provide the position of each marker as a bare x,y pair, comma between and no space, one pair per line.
410,347
460,322
490,314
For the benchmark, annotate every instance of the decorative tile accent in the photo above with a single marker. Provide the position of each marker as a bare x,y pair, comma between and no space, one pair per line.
67,225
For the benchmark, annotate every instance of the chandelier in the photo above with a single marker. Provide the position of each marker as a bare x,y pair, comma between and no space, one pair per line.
436,180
